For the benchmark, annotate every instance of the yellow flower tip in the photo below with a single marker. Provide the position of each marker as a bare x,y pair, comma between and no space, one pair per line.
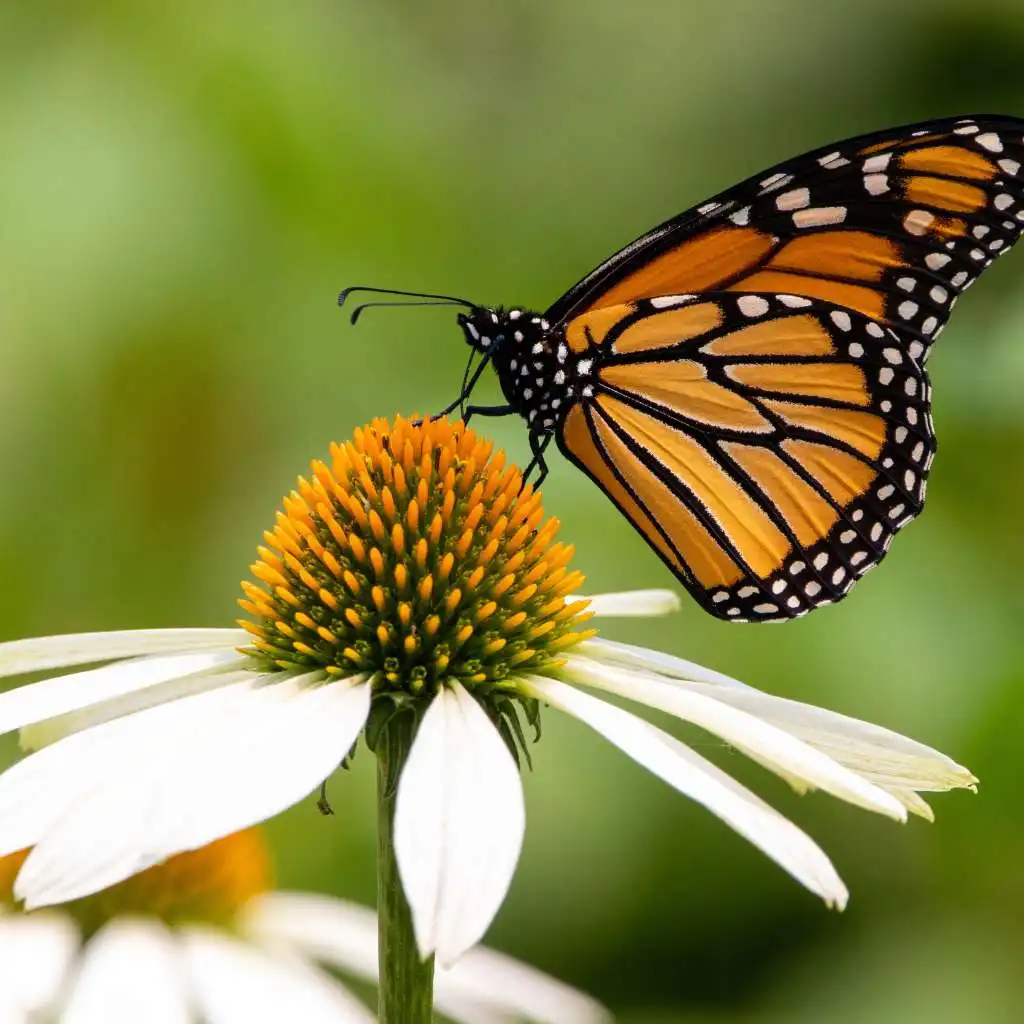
413,553
209,885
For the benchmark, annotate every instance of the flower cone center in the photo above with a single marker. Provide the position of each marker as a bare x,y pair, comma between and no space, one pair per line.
415,555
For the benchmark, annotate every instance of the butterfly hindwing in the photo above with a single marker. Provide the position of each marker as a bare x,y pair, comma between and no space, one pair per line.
894,225
768,446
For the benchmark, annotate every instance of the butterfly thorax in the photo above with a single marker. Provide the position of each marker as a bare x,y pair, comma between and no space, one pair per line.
535,367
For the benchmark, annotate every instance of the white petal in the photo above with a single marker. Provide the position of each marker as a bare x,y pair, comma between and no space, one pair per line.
767,744
611,651
200,778
104,834
459,823
39,653
702,781
45,787
42,734
344,935
913,803
235,983
495,981
264,764
35,954
130,973
633,603
879,754
325,928
48,698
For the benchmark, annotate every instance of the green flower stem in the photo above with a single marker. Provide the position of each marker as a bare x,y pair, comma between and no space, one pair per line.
406,993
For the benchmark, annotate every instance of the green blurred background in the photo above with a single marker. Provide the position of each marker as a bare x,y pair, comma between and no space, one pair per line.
184,188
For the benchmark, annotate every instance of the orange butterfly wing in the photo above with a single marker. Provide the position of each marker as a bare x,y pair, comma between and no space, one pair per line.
767,446
893,225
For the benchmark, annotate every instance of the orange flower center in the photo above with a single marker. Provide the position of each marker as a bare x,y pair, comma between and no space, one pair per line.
415,555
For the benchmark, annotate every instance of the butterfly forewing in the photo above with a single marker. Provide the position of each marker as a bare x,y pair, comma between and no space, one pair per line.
893,225
768,446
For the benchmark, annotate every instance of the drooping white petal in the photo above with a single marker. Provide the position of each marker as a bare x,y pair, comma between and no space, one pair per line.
702,781
328,929
913,802
40,653
611,651
236,983
198,780
769,745
459,823
482,985
35,954
26,705
46,787
263,765
35,737
486,978
879,754
130,973
629,603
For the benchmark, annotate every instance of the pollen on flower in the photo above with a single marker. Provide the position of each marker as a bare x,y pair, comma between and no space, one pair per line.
413,554
208,885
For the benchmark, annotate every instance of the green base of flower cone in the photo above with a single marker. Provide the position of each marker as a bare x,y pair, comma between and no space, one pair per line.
406,994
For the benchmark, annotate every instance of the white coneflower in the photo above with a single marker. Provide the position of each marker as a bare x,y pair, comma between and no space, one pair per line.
205,936
410,592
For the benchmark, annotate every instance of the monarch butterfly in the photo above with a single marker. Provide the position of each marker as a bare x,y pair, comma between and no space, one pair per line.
746,381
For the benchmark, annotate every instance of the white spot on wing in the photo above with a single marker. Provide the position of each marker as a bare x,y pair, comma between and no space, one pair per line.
775,181
664,301
876,184
797,199
752,305
917,222
820,216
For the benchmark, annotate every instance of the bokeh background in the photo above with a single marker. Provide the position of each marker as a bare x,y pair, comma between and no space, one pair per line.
183,190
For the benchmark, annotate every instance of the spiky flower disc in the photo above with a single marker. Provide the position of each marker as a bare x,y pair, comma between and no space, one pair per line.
416,555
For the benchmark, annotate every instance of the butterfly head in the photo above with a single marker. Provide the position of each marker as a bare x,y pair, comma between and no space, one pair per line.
486,329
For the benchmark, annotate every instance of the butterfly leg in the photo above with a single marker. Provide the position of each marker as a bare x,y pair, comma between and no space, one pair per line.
487,410
468,383
538,443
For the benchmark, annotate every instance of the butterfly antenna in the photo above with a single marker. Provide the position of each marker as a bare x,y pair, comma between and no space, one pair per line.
346,292
377,305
